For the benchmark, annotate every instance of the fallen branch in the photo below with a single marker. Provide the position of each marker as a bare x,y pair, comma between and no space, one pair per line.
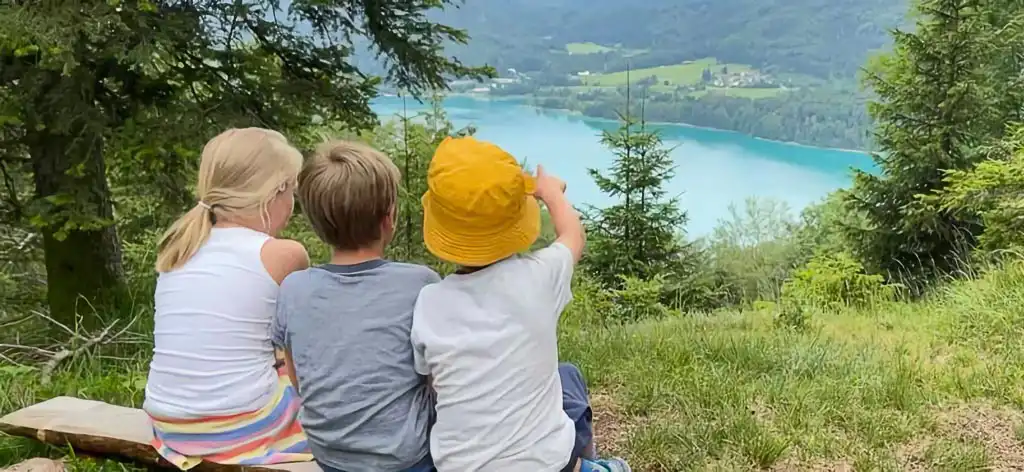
49,359
46,372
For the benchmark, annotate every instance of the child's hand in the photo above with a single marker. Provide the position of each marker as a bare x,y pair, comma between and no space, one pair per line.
548,185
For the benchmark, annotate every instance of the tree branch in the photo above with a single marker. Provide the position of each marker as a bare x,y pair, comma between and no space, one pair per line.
52,358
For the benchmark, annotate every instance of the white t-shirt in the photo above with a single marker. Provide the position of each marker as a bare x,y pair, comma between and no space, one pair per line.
489,340
212,354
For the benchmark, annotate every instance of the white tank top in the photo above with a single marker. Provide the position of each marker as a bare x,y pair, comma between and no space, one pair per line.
212,354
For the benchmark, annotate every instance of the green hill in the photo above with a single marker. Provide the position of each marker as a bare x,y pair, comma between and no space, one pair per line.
822,38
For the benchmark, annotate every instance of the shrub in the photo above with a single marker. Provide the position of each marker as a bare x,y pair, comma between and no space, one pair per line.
591,304
694,283
792,316
638,300
824,226
755,249
833,282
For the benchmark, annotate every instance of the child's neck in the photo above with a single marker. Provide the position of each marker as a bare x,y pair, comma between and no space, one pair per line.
339,257
465,270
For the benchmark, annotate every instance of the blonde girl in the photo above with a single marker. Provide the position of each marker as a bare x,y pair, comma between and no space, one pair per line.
215,390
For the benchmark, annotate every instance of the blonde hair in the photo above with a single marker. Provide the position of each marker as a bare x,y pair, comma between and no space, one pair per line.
241,171
346,189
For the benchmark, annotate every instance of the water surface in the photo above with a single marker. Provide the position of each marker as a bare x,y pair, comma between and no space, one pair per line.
714,168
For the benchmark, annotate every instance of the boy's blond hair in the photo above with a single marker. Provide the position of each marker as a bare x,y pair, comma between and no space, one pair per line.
347,189
241,171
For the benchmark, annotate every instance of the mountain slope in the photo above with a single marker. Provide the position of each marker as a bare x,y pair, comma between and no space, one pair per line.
816,37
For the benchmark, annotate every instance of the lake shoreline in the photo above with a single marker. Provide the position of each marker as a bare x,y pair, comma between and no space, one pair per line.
527,102
714,169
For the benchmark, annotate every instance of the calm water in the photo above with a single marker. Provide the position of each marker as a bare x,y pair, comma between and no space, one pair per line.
715,168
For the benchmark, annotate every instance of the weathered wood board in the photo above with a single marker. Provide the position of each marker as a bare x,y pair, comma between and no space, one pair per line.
101,429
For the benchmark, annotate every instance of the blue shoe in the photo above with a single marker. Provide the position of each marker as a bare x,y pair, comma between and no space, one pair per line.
614,464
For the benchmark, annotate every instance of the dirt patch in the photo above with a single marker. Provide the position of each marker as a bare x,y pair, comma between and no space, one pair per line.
611,426
761,412
816,465
911,457
796,461
994,428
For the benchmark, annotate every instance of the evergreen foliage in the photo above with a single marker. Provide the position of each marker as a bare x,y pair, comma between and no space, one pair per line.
937,101
94,94
638,235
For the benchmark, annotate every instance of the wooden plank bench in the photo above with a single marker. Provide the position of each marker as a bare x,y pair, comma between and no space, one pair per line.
101,429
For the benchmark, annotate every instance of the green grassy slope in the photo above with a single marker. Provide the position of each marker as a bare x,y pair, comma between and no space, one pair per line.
933,385
688,73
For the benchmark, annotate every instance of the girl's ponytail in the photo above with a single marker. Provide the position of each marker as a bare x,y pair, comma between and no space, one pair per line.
240,172
184,238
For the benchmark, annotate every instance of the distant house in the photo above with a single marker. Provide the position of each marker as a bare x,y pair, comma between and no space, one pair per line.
481,90
583,74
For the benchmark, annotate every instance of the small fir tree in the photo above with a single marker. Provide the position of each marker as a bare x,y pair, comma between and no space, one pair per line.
639,235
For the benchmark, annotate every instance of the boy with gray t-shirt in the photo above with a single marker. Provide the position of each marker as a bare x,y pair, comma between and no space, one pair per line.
345,326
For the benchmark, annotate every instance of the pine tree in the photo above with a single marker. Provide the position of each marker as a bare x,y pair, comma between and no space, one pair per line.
411,142
639,235
934,105
75,76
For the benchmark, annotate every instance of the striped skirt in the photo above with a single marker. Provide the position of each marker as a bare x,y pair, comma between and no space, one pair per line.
271,435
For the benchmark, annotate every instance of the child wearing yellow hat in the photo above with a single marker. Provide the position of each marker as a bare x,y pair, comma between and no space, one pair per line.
486,335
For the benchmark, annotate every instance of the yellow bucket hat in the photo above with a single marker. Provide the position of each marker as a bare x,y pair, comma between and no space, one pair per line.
479,206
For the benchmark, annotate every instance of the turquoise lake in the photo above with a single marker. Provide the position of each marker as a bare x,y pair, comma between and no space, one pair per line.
714,168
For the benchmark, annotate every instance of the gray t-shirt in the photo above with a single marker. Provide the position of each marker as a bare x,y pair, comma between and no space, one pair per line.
364,407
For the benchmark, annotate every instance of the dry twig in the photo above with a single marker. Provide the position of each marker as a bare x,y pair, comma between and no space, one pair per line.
49,359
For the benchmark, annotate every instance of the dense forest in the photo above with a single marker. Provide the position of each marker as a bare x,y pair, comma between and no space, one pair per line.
822,38
815,46
823,117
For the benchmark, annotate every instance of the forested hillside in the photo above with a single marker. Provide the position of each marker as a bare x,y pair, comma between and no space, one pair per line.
822,38
803,57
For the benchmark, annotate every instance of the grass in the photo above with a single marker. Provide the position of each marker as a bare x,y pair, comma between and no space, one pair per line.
739,92
677,74
594,48
754,93
932,385
587,48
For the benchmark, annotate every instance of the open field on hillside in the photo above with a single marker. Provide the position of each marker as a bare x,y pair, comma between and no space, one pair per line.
587,48
934,385
594,48
740,92
688,73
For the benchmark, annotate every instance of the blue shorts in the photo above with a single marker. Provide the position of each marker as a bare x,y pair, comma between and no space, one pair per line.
576,404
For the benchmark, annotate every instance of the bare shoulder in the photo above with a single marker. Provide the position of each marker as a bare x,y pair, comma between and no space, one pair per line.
283,256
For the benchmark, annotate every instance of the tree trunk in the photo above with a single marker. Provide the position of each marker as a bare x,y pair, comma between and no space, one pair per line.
83,254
